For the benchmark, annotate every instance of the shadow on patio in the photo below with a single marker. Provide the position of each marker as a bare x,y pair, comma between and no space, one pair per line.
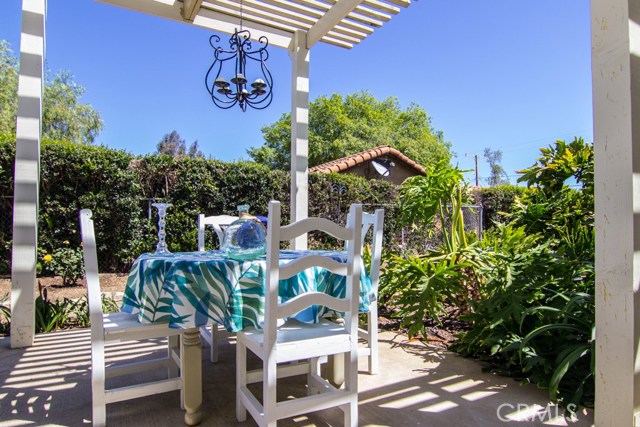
49,384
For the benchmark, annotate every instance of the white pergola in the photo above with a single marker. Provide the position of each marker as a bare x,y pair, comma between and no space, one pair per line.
297,25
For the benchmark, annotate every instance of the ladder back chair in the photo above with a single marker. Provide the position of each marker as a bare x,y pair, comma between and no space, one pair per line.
374,221
294,341
122,327
211,333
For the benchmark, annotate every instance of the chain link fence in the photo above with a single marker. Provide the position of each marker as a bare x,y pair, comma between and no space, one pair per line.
419,239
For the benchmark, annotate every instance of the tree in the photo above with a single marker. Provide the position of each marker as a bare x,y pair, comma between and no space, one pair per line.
497,176
173,145
8,89
63,116
341,126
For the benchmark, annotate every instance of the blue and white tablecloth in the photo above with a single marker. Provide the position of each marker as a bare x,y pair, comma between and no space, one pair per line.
191,289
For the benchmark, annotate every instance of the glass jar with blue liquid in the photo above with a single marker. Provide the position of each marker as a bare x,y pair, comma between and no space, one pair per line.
246,237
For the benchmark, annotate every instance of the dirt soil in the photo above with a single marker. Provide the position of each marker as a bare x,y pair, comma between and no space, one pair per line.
438,335
111,283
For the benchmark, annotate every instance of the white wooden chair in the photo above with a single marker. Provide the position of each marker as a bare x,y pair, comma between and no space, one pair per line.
295,341
122,327
216,221
211,333
370,335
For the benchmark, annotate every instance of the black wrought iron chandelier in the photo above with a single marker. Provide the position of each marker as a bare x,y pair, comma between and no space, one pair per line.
226,94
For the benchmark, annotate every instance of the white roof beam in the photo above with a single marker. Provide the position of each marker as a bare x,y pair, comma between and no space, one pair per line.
190,9
401,3
278,14
217,21
384,7
311,9
333,16
371,12
166,8
261,14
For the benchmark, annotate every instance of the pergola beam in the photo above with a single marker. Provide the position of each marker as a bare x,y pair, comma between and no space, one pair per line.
332,17
615,46
227,24
27,173
299,134
251,14
169,10
190,9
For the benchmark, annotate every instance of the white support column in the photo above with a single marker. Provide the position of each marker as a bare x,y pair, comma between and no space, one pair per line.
27,173
299,133
616,104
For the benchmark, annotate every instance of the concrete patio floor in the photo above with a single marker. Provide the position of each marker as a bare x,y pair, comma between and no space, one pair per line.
48,385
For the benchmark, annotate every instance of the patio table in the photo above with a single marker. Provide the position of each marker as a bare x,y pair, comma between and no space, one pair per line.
191,289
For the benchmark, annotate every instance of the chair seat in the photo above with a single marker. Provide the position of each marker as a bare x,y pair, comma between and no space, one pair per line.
298,340
122,325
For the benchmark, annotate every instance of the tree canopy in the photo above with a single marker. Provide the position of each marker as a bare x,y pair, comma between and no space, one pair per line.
342,126
497,174
173,144
63,116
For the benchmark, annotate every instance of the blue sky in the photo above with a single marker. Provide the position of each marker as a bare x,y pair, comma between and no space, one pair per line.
512,76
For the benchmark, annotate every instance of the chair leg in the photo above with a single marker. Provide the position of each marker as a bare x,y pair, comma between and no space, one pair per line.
372,319
351,413
241,380
314,368
351,385
99,409
173,345
269,390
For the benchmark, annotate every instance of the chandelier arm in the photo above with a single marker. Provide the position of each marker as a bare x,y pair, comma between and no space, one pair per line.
225,94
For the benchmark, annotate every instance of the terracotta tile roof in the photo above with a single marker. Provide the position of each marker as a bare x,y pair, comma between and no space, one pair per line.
345,163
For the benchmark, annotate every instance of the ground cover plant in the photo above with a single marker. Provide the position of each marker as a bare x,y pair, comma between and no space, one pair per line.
526,289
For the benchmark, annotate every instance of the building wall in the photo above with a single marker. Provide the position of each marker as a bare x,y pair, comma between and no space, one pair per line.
398,174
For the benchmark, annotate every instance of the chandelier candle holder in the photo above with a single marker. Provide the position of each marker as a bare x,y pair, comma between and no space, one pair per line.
224,94
162,213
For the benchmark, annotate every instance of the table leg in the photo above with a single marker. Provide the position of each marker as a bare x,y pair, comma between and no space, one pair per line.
335,370
191,365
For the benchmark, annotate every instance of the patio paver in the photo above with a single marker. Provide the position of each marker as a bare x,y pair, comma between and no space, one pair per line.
49,385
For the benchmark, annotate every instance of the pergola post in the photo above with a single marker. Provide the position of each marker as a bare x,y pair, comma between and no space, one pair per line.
615,32
27,173
299,133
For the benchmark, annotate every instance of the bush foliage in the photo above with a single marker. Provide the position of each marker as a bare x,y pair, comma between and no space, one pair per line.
119,188
527,287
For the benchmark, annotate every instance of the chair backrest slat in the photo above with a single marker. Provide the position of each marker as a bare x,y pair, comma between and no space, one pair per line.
216,221
276,233
91,268
301,264
302,301
289,232
375,220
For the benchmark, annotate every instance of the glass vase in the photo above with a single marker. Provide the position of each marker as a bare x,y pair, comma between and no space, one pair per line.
161,248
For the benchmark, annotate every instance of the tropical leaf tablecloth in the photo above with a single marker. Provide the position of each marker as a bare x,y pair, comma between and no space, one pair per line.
191,289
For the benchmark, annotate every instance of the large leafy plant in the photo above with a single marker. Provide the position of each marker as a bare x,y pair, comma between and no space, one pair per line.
422,285
535,316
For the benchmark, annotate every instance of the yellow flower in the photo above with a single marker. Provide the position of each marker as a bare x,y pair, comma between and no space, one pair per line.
47,258
66,242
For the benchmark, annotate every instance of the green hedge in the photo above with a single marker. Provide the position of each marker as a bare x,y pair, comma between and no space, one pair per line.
120,187
496,201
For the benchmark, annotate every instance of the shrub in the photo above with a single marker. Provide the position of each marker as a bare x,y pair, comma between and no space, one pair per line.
496,202
52,315
535,316
5,314
66,262
119,188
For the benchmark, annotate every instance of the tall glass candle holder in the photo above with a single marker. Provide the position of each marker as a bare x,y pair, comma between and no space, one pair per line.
162,213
